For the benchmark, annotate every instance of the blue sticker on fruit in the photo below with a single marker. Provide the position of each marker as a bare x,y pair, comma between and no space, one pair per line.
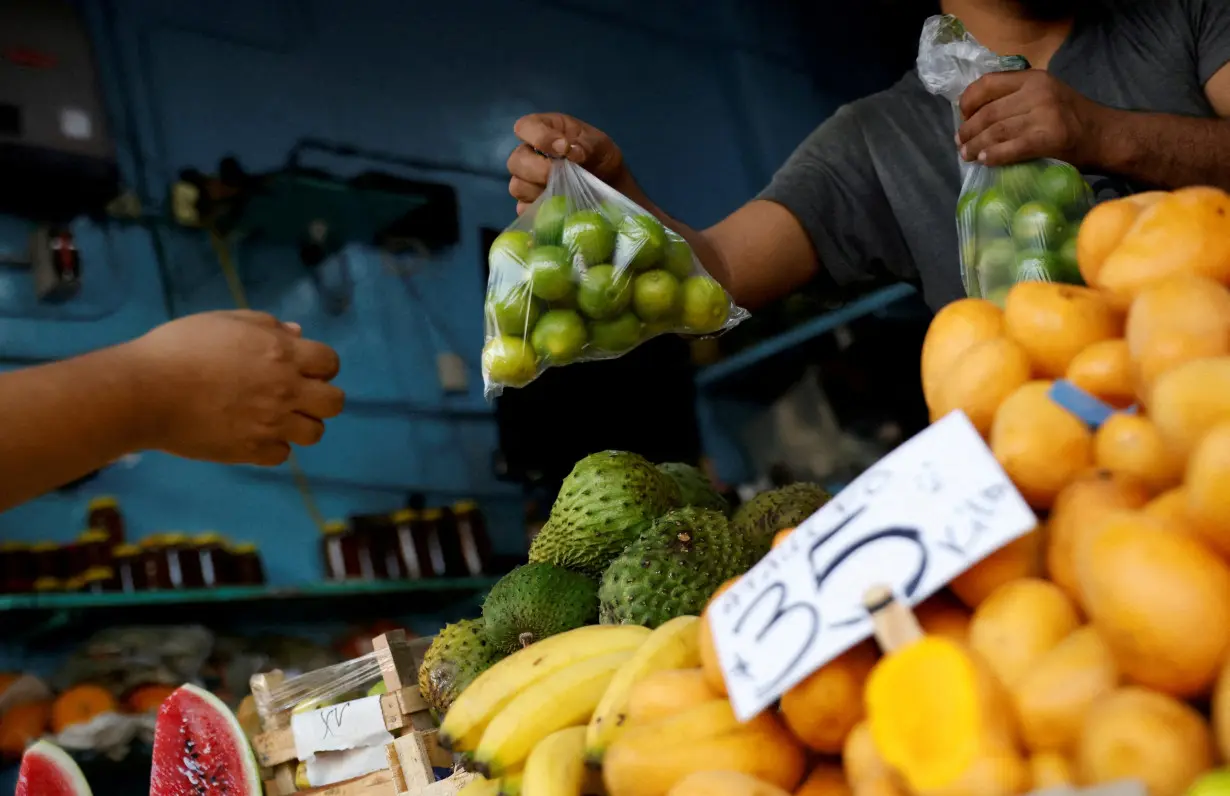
1092,411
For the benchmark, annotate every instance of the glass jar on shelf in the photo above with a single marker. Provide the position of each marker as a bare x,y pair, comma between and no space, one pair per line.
49,561
213,558
18,563
92,549
154,562
449,543
472,534
412,544
129,565
249,571
97,580
183,564
104,514
335,544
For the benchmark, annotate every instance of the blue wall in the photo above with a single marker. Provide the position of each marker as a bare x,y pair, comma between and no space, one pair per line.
706,98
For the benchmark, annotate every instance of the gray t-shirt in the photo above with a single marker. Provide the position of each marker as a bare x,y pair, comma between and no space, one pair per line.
876,184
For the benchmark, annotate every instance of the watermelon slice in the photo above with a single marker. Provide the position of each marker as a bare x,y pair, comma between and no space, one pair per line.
200,749
47,770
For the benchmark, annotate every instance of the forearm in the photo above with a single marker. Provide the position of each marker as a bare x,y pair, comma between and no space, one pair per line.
66,419
1164,150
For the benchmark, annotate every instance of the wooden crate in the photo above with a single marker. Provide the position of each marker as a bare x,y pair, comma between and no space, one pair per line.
411,756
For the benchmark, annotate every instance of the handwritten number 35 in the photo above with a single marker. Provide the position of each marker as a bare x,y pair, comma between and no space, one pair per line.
778,592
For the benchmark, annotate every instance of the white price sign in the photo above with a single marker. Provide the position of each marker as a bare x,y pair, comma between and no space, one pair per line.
349,725
921,516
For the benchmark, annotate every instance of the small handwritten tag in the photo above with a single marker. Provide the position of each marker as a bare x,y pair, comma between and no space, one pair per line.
915,520
349,725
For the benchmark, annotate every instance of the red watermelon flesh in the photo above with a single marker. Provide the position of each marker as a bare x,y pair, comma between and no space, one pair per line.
47,770
200,749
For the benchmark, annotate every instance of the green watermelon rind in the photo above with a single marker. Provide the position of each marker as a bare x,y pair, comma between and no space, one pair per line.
238,737
60,760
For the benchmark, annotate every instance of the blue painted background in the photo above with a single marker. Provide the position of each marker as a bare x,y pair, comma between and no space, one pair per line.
706,98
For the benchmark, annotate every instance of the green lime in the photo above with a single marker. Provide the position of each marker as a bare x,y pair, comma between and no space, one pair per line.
678,259
378,689
967,209
640,243
509,361
549,220
1214,783
655,328
999,295
996,265
588,235
1063,186
550,270
1069,269
1037,226
1019,181
616,335
509,251
614,212
559,337
994,216
604,292
1036,266
655,295
515,312
705,305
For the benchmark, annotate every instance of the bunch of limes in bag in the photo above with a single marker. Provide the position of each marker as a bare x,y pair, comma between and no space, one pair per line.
1022,227
590,283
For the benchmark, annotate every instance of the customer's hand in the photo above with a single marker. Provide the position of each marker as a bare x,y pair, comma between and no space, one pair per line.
1015,116
234,387
557,134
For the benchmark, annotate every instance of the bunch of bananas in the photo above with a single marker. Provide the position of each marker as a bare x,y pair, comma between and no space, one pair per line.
616,710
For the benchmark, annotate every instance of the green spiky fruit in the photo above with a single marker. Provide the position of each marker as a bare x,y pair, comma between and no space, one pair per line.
459,653
763,516
604,504
695,487
536,601
672,570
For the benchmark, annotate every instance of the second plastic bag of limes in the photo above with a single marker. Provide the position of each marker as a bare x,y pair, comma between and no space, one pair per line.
1014,223
585,274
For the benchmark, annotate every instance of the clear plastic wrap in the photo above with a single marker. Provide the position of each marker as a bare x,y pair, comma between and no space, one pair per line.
1015,223
586,274
324,687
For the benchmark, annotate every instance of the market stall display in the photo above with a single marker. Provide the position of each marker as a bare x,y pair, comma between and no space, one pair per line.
584,273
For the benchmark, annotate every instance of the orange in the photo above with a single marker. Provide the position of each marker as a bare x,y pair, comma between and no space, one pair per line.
826,779
1208,488
1039,444
1020,558
980,380
1054,322
1189,400
1102,231
823,708
80,704
1078,510
954,329
1187,232
1132,446
1104,370
1181,318
21,725
1170,507
941,614
708,652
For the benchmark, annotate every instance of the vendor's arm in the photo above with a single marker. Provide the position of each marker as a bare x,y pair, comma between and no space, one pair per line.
824,217
234,387
1018,116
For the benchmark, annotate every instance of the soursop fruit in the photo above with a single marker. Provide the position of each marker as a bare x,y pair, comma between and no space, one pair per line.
606,502
538,600
672,570
694,487
759,519
459,653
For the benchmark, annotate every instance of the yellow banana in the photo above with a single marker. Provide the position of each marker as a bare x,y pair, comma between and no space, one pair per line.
674,645
493,689
480,787
565,699
556,766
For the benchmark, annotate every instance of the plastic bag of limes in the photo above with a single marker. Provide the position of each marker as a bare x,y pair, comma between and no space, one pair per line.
1014,223
586,274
